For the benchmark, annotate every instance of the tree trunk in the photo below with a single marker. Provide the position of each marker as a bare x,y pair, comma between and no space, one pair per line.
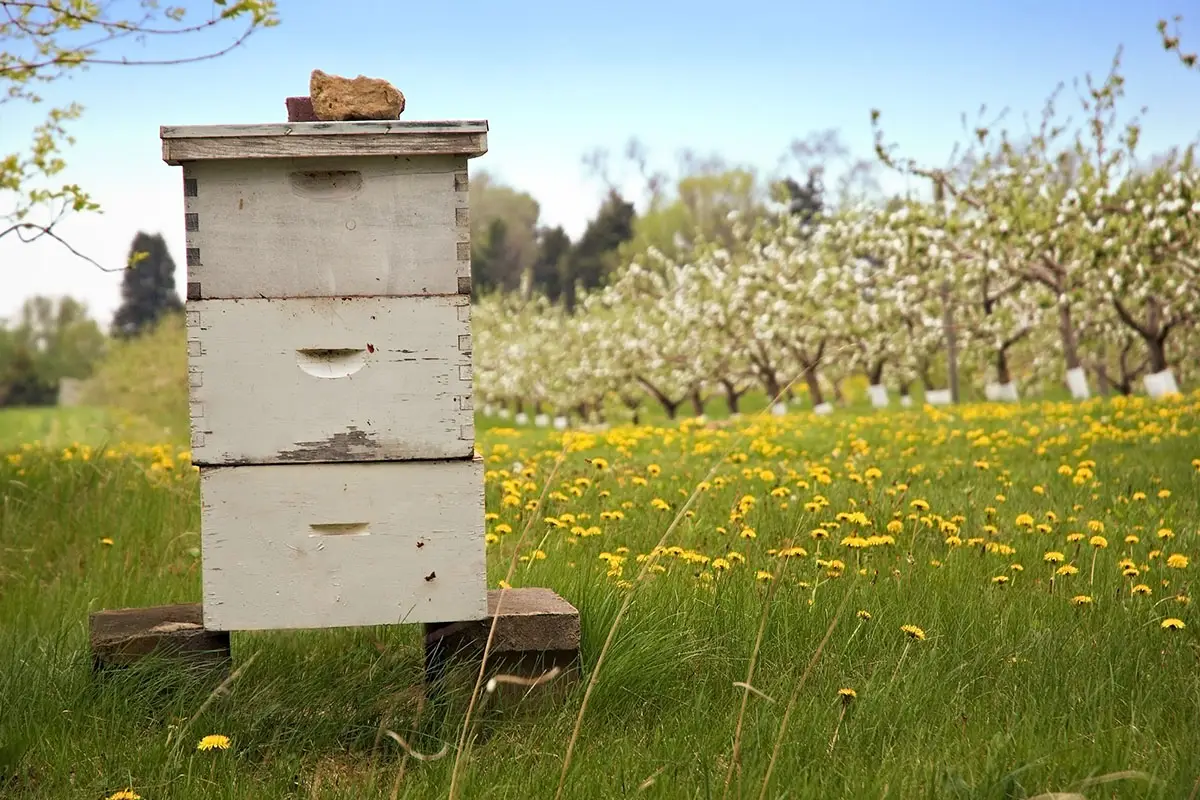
1157,348
1066,330
814,386
732,396
1003,375
838,395
875,373
771,384
697,402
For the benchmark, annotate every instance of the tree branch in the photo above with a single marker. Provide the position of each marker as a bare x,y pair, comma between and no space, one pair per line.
42,230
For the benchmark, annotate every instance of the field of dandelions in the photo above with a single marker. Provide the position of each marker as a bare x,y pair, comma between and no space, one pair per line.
977,601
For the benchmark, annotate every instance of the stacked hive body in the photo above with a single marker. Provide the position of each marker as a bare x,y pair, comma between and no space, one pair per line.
329,359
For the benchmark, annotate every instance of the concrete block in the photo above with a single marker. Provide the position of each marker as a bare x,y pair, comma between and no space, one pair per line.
122,637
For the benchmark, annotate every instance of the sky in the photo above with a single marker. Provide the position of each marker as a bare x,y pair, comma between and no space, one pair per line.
555,80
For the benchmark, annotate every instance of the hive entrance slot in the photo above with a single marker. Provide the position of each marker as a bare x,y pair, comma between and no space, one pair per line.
331,362
338,529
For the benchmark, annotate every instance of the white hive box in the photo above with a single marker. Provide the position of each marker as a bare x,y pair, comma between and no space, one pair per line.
329,359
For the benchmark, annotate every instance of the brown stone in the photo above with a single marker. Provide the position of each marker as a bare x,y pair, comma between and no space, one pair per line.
335,98
121,637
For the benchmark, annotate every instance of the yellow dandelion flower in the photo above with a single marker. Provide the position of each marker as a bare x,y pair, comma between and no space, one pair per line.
1099,542
763,575
124,794
1081,600
214,742
847,694
1173,624
1000,580
1067,569
913,632
1141,589
1177,561
106,541
1053,557
864,615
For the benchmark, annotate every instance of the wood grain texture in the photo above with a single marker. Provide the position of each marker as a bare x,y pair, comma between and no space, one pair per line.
125,636
322,139
367,226
415,552
348,128
330,379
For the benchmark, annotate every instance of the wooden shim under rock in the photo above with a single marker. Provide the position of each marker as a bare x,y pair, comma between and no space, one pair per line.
537,636
122,637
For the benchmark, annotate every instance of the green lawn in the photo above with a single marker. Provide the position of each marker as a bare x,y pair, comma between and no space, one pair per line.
1016,689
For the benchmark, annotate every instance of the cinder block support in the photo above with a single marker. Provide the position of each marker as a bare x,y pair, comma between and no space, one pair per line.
536,631
122,637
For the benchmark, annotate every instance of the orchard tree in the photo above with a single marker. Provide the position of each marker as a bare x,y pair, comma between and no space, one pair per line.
46,42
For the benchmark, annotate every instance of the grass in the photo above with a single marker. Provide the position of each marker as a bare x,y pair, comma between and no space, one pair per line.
1014,691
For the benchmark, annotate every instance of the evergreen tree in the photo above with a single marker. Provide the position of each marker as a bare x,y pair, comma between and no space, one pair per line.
594,256
550,266
148,288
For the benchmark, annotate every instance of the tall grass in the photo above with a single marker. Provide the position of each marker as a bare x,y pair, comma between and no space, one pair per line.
1014,691
147,378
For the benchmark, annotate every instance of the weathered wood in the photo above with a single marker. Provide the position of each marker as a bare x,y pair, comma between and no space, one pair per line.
363,226
183,143
121,637
332,545
330,379
536,631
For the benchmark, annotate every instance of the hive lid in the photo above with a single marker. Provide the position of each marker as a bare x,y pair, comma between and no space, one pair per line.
183,143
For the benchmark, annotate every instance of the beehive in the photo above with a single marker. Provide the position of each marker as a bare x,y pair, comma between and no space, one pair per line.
329,362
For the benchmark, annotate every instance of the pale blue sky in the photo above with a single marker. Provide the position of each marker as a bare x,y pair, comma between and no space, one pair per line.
557,79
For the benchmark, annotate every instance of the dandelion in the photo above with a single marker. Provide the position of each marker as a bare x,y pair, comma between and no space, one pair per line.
763,575
214,741
107,542
124,794
913,632
1177,561
864,615
1141,590
1173,624
847,695
1081,600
